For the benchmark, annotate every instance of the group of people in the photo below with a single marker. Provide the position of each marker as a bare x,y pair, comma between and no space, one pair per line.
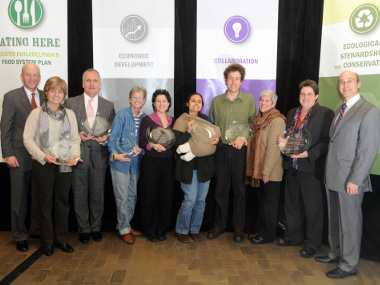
59,154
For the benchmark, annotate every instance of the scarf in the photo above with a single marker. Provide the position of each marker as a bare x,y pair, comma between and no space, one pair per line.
293,128
64,144
197,148
253,149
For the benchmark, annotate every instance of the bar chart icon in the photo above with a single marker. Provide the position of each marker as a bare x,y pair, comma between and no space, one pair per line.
133,28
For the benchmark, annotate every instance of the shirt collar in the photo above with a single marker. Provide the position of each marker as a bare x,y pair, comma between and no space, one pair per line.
87,98
29,93
238,98
353,100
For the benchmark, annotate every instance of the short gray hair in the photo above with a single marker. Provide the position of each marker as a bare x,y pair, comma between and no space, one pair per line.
90,70
137,89
270,93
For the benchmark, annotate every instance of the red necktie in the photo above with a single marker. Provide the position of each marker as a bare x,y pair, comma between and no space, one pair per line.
340,115
33,102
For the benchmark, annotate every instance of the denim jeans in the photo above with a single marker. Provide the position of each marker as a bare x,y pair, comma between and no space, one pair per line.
190,215
125,191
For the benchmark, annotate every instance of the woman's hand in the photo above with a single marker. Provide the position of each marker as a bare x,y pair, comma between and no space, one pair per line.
84,137
265,178
123,157
191,125
73,161
281,142
239,142
214,141
136,151
158,147
50,158
301,155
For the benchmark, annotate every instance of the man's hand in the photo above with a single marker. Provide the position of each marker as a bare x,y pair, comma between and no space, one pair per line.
352,189
123,157
301,155
85,138
73,161
101,139
12,161
137,151
239,142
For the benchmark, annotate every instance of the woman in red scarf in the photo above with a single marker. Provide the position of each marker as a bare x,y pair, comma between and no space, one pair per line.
264,165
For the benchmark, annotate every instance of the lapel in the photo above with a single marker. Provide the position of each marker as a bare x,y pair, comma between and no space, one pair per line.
41,97
81,107
25,100
350,113
313,113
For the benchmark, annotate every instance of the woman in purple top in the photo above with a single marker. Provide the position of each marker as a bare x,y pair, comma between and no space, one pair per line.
156,171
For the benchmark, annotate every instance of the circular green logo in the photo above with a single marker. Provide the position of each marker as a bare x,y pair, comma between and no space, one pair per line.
364,18
25,14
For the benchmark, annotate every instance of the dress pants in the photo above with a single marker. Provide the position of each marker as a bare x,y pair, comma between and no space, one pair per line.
304,207
345,228
156,193
22,185
52,189
88,193
269,197
230,169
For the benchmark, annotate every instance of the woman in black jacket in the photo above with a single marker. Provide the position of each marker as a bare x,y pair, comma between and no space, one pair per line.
194,175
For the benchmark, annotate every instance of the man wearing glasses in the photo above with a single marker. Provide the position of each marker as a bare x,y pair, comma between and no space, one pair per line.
354,142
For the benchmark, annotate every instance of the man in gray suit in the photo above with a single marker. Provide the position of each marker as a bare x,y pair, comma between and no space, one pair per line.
354,142
17,105
89,176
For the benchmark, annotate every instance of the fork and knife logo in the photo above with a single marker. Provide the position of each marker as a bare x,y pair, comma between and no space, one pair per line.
25,14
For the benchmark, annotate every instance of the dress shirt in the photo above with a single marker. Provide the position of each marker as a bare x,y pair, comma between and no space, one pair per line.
94,103
36,96
349,104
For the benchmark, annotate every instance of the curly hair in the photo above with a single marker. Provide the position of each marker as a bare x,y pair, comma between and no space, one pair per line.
309,83
234,67
161,92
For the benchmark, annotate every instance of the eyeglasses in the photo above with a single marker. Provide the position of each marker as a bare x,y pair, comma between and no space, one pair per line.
348,82
307,94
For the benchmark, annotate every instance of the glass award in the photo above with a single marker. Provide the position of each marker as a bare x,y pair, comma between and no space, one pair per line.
203,133
63,150
237,129
295,143
127,145
160,135
100,127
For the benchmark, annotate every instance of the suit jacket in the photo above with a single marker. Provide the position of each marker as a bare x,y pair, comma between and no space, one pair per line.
318,125
353,147
16,109
91,150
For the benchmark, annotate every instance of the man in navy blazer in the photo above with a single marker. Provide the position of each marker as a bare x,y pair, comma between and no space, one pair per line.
17,106
89,176
354,143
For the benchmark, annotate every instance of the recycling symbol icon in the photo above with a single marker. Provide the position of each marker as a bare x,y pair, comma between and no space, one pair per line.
364,18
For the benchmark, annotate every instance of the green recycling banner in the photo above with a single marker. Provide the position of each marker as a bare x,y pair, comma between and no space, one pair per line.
350,41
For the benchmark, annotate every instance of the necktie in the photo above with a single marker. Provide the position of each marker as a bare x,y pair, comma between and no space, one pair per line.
340,115
33,102
90,113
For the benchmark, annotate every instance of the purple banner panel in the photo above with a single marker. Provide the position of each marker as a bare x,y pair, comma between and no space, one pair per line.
209,88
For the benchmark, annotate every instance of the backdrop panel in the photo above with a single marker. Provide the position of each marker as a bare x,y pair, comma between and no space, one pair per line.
350,41
32,30
132,46
246,33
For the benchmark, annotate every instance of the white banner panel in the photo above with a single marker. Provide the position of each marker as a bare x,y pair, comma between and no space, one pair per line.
350,41
245,32
32,30
134,45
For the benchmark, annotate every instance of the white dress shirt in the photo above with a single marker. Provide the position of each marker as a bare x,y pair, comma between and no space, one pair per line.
36,96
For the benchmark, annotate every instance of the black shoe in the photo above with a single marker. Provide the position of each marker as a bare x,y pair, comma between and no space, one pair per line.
84,238
287,242
338,273
65,247
252,235
34,236
259,240
239,236
153,238
96,236
161,236
326,259
307,252
214,233
22,245
48,250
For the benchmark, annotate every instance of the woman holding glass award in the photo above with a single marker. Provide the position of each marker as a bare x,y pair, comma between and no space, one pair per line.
304,188
264,165
125,160
194,134
157,167
51,137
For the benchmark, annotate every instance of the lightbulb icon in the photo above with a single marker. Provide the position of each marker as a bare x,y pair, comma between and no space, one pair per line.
236,27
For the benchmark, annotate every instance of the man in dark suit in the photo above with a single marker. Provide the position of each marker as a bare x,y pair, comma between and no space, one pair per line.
17,105
354,143
89,176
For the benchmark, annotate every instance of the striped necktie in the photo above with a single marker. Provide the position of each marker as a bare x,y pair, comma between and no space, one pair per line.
341,113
